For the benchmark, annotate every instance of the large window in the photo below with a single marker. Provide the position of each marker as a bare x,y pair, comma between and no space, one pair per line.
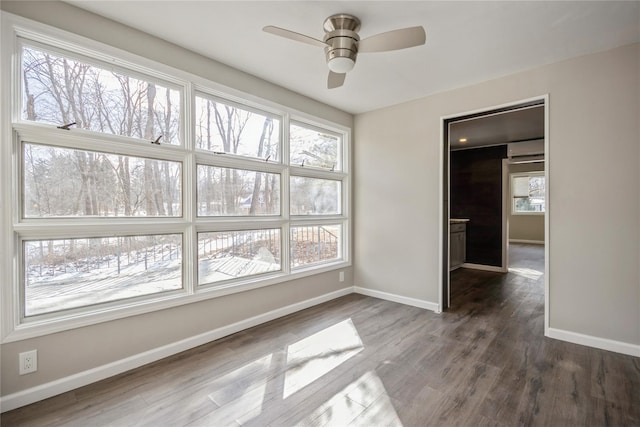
528,193
135,188
316,196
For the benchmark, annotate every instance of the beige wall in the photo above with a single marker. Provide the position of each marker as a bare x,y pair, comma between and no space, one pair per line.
594,148
526,227
67,353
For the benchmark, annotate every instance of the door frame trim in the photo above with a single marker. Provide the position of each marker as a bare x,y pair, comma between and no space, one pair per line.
444,199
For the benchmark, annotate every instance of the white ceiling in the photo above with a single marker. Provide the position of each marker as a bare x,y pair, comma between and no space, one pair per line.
467,42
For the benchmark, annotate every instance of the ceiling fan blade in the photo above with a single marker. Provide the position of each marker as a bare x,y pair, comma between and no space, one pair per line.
335,80
293,36
393,40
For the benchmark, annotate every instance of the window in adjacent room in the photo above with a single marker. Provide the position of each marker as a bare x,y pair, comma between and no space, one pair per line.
528,193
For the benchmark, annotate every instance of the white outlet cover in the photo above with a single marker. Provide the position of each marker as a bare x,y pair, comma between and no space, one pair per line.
28,362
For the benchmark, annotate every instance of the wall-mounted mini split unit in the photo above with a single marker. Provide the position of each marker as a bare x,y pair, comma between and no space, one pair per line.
532,150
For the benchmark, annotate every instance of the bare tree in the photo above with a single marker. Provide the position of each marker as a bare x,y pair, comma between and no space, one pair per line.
267,131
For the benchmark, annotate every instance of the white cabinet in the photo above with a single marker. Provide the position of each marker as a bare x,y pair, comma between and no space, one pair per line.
457,244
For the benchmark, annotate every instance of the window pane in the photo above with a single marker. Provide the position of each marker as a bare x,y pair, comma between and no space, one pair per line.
536,186
313,148
232,130
62,182
521,186
237,192
232,254
71,273
529,204
313,196
314,244
529,193
60,90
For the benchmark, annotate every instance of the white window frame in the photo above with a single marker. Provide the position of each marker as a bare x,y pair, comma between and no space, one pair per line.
14,228
515,175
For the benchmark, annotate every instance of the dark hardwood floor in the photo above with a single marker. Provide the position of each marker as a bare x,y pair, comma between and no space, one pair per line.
363,361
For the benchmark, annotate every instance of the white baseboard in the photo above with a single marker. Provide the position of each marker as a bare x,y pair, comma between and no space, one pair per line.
428,305
484,267
533,242
591,341
62,385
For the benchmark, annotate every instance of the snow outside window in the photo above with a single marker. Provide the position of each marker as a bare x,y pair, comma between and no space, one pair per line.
232,254
138,187
62,274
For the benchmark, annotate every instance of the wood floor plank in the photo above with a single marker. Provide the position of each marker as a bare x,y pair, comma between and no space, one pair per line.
420,409
362,361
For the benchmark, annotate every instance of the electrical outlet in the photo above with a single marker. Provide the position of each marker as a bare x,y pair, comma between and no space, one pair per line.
28,362
341,276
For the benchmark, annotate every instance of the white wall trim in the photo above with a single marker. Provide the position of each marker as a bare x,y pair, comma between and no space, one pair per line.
547,216
596,342
485,267
533,242
62,385
428,305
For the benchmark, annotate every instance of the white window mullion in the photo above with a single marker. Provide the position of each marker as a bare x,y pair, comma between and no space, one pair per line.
224,160
285,197
285,200
284,150
189,211
190,255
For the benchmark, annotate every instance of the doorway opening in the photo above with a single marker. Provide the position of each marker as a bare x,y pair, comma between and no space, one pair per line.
485,150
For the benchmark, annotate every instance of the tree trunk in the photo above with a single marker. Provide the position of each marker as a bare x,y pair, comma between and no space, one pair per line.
125,182
267,128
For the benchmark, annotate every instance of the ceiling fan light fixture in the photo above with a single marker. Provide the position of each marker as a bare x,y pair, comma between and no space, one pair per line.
341,43
341,64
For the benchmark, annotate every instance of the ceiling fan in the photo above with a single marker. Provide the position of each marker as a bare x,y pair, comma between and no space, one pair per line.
341,43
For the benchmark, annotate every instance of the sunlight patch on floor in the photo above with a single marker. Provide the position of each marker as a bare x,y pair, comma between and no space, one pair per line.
318,354
248,405
526,272
241,390
363,402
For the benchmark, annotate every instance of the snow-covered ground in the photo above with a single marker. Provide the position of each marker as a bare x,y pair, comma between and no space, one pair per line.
99,280
215,270
82,288
155,269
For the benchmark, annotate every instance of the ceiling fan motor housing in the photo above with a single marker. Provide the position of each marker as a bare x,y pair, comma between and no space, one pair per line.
342,41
